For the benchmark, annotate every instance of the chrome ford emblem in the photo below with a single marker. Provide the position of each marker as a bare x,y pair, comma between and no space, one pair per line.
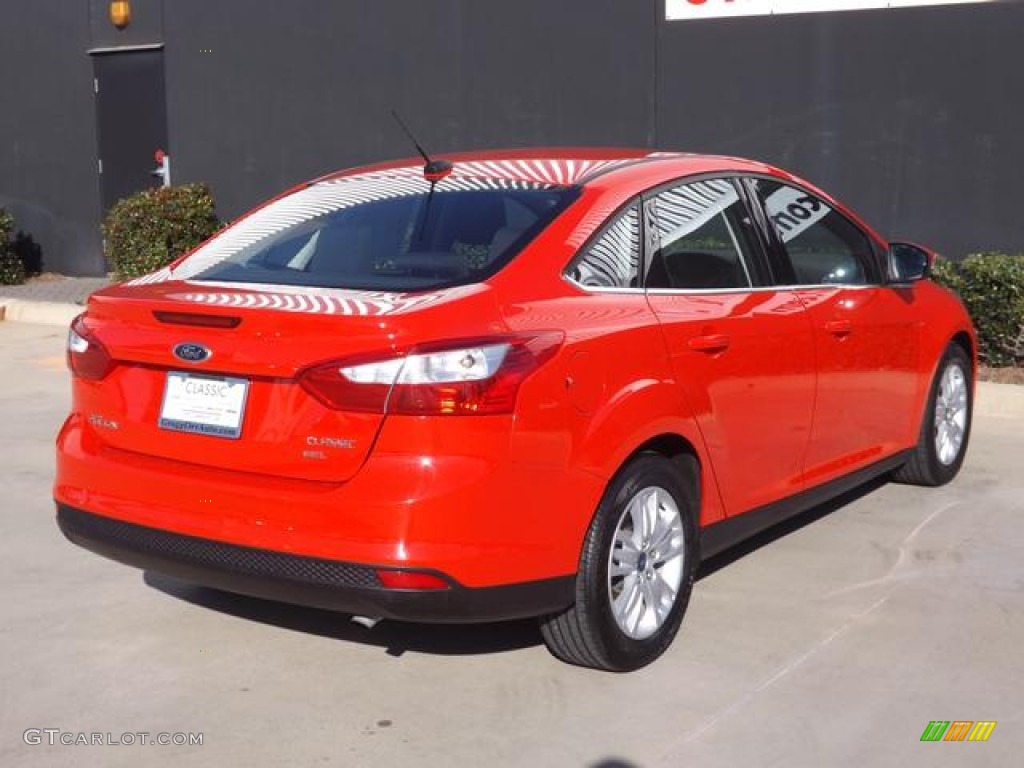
192,353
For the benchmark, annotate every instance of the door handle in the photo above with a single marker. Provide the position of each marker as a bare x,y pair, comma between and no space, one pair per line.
839,327
711,343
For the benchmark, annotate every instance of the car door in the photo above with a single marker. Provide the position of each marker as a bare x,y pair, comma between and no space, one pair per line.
741,350
865,332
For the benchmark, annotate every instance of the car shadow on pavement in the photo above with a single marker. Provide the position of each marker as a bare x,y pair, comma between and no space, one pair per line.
793,524
449,639
394,636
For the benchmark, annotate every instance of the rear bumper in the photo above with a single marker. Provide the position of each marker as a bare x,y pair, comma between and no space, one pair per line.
464,507
315,582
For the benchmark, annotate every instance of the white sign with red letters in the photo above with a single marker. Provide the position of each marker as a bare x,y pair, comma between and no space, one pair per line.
714,9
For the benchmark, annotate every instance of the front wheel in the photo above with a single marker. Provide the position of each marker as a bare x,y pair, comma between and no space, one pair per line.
946,426
636,570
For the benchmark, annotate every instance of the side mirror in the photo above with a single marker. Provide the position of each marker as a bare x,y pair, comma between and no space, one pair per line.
909,263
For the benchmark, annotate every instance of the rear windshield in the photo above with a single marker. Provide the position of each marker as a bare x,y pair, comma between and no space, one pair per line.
382,233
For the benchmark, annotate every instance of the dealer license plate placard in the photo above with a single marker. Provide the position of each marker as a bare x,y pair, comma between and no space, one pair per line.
204,405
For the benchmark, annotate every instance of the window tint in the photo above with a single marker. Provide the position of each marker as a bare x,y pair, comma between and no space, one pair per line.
704,238
824,247
613,260
378,233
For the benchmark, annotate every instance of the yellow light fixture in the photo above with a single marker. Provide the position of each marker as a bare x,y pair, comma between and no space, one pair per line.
120,13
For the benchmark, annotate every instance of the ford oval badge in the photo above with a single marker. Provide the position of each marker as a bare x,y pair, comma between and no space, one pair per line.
192,353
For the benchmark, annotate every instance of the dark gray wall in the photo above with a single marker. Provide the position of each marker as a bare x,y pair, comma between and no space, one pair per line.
48,172
48,177
296,89
912,116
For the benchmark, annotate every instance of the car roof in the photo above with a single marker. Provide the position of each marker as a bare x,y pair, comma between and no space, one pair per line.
565,166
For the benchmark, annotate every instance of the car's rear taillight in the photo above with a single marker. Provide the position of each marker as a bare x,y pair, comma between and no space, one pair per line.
87,358
459,378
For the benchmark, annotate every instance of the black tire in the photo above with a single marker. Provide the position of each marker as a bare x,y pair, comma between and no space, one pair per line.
925,466
588,633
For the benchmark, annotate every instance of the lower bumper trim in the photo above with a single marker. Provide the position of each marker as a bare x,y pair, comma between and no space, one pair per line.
314,582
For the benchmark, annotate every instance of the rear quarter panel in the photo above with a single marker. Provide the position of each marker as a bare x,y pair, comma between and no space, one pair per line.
609,391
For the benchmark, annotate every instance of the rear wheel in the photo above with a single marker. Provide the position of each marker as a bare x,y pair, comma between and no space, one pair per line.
636,571
946,426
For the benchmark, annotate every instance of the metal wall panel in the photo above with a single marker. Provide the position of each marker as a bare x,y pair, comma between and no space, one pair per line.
48,174
912,116
291,90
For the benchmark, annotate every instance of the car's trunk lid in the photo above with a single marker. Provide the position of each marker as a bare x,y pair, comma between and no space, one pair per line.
242,406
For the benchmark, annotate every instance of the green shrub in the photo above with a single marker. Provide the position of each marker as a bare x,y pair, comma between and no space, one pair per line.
991,286
152,228
12,271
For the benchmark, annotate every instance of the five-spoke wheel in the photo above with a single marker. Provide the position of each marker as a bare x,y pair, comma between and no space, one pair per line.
946,426
636,570
645,566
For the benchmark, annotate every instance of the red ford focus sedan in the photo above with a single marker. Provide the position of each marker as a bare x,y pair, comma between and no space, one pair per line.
514,384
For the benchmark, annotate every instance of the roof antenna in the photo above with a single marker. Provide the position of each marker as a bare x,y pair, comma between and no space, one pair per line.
433,170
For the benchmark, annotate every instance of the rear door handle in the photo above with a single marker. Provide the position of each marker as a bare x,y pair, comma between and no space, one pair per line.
839,327
711,343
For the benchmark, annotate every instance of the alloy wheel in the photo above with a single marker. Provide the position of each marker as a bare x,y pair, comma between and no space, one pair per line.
950,414
647,562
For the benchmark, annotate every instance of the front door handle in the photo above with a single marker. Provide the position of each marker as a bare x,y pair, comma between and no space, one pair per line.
839,327
712,343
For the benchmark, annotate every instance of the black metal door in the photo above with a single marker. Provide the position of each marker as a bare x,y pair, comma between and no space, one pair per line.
131,120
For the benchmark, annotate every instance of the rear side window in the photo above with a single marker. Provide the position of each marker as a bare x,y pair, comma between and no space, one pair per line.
823,246
382,233
613,259
705,238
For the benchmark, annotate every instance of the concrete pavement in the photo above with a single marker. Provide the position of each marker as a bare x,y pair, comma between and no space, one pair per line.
831,642
55,288
55,300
